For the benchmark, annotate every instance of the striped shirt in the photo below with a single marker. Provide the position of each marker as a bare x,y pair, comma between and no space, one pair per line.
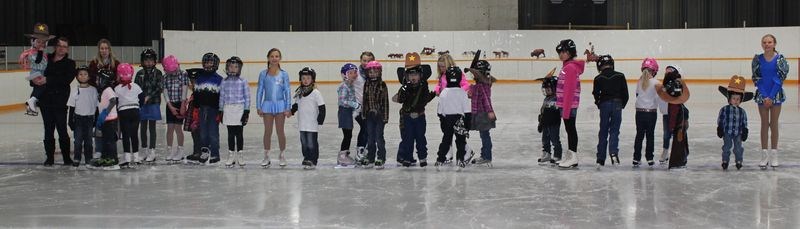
234,90
732,119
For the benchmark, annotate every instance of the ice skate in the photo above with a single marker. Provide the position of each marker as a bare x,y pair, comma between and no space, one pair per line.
664,157
231,159
240,159
307,165
545,159
773,158
481,161
571,161
764,159
282,160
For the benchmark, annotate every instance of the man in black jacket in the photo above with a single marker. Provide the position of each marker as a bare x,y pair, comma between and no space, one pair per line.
53,103
610,95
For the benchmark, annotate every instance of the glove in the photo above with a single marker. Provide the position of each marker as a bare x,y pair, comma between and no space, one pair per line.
539,127
101,118
294,108
219,116
245,117
745,131
720,132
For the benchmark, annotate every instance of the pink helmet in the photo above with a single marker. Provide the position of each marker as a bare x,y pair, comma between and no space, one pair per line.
374,64
650,63
170,64
125,72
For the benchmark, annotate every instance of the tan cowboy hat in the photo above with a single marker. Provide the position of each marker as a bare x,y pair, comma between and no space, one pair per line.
412,60
662,93
41,31
736,85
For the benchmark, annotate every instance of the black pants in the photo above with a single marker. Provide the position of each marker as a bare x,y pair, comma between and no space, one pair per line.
347,136
447,123
361,140
572,134
148,125
128,125
55,119
235,138
196,143
109,130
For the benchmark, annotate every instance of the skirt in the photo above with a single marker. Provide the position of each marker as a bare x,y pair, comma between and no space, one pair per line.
346,118
273,107
232,115
481,121
150,112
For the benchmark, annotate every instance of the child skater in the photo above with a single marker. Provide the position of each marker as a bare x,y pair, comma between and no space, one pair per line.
82,105
550,122
206,99
675,92
150,80
128,97
176,84
454,117
568,94
310,109
376,112
732,121
234,106
348,104
483,117
646,112
610,95
106,124
414,95
35,60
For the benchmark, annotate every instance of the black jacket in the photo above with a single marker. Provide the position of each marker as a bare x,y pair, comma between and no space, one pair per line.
59,75
414,98
610,85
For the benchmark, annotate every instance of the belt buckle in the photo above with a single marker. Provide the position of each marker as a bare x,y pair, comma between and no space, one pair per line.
413,115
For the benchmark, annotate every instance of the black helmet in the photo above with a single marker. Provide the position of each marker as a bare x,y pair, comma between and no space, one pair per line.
567,45
482,66
453,76
550,82
605,60
308,71
234,60
148,54
213,58
672,84
105,78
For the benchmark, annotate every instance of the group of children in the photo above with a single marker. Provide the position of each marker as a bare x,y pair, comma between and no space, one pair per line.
610,93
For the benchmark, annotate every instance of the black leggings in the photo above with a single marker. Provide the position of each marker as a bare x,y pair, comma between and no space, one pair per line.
572,134
347,136
151,126
128,123
235,138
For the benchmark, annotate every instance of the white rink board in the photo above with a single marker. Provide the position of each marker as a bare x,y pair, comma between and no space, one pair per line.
681,46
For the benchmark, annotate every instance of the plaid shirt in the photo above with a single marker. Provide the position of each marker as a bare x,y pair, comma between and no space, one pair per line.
347,96
732,119
481,98
173,86
234,90
151,81
376,99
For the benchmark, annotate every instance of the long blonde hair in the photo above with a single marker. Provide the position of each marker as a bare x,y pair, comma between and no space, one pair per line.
448,62
99,59
644,80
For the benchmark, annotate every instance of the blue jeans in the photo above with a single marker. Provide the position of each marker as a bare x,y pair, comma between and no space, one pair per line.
736,142
209,130
486,145
610,121
375,141
310,146
645,128
667,131
550,137
83,137
413,131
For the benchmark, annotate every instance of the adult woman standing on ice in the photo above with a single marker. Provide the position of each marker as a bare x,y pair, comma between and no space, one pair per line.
769,71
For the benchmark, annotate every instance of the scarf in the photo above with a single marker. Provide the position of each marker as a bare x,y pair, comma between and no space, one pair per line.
303,91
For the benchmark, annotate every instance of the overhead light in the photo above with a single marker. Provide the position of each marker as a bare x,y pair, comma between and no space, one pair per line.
598,2
556,1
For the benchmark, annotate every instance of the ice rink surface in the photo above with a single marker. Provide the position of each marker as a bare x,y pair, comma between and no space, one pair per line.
516,193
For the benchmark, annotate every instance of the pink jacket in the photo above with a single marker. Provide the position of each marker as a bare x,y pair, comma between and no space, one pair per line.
443,84
568,90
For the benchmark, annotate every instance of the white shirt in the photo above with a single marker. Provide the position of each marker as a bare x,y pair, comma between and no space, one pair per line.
84,100
128,98
307,111
105,99
647,99
453,100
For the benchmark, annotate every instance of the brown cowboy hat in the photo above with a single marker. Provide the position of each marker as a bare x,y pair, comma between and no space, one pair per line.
736,85
662,93
412,60
41,31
